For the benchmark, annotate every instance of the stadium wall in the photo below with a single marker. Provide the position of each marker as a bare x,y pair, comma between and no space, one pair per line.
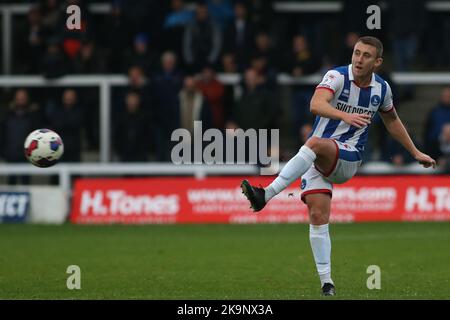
33,204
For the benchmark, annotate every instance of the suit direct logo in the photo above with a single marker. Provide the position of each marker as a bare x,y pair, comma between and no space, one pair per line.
375,100
14,206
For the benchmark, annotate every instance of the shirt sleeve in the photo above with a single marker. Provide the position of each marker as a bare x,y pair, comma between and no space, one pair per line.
332,81
387,104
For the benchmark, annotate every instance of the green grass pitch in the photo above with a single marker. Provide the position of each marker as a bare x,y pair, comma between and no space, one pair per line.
272,261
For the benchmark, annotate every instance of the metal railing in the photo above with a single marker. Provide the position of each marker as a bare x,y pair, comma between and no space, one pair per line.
66,171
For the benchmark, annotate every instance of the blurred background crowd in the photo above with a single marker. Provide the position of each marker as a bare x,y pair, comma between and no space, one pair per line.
172,52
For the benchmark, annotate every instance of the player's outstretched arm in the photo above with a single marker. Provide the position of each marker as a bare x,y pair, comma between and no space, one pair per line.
398,131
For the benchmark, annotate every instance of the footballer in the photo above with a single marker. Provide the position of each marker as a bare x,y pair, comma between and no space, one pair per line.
344,103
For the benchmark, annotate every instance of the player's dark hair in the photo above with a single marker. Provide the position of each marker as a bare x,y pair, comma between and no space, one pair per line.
375,42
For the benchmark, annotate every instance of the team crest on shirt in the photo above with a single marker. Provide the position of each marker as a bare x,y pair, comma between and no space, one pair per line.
375,100
346,93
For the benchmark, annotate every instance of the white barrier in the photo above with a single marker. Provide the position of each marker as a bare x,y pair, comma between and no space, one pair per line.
48,205
66,171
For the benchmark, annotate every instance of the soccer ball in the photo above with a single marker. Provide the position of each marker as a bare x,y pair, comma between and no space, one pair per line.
43,148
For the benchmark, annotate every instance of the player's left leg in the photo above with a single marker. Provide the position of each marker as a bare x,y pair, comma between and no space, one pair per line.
319,206
322,152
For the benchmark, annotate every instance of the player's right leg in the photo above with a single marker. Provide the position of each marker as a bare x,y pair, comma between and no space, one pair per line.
319,206
322,152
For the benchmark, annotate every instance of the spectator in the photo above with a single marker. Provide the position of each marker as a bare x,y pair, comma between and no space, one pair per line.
167,83
305,131
439,51
145,16
394,153
30,44
437,118
19,122
89,60
346,52
255,101
232,92
202,40
406,30
380,141
193,106
221,11
142,56
116,33
264,47
229,64
53,64
444,148
51,15
301,61
174,26
213,91
179,16
132,136
260,13
139,83
239,36
135,15
267,74
67,120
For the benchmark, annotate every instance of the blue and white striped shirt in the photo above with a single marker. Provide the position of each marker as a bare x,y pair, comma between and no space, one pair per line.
348,97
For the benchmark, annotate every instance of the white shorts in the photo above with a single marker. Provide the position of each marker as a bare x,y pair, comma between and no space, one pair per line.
347,162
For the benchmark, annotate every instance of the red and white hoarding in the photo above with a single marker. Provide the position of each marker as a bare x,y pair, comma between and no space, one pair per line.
219,200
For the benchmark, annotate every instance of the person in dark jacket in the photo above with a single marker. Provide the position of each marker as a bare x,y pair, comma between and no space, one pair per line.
438,117
202,42
53,63
193,106
67,120
131,131
167,83
239,36
301,61
19,122
255,101
143,54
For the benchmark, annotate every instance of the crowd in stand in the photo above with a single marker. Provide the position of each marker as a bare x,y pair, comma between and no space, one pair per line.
171,52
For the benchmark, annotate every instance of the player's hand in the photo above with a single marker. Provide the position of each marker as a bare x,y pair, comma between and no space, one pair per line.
425,160
356,120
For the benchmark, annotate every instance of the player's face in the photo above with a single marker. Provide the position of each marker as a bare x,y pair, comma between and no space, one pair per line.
364,60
